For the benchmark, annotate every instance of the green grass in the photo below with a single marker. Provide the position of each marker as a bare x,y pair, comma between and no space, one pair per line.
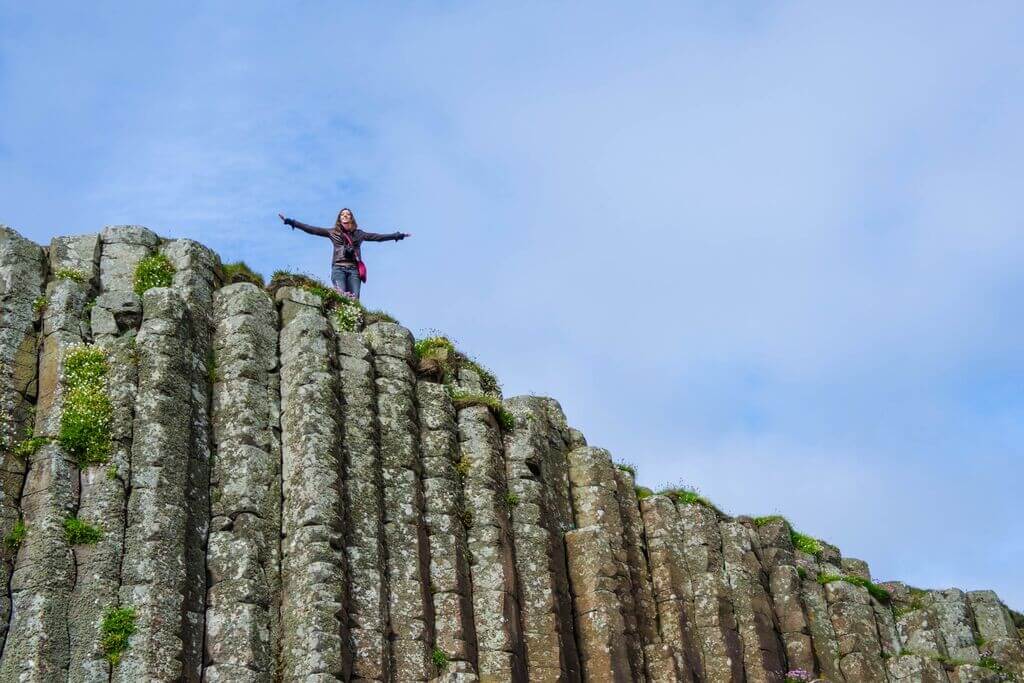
28,446
438,353
378,316
73,274
805,543
239,271
78,532
117,627
801,572
462,467
876,591
440,658
917,597
112,472
627,467
40,304
464,399
87,414
989,662
688,495
152,271
768,519
511,499
348,312
643,493
13,540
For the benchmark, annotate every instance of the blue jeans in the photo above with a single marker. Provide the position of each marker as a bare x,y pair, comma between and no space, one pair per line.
346,278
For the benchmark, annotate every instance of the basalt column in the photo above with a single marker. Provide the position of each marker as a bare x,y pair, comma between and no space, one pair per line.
37,646
243,553
659,657
672,588
445,516
315,642
603,600
408,554
538,479
22,269
763,652
364,542
194,279
153,576
824,638
115,319
492,557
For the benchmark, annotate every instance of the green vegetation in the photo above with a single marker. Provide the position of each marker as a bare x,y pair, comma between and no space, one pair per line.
211,368
85,421
13,540
466,517
989,662
807,544
689,495
511,499
801,572
438,356
876,591
464,399
28,446
768,519
154,270
40,304
440,658
78,532
348,312
73,274
112,472
642,493
239,271
462,467
627,467
371,317
117,627
917,597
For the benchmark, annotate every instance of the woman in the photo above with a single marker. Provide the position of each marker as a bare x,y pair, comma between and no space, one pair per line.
346,238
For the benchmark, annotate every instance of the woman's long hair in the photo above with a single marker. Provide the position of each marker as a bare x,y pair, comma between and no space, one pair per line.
337,222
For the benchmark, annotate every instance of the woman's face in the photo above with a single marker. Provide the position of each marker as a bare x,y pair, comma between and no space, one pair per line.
346,217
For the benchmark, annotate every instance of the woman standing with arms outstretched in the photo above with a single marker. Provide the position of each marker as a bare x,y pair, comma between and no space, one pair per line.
347,269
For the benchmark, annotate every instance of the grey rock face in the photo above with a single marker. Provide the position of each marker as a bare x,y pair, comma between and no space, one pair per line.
287,501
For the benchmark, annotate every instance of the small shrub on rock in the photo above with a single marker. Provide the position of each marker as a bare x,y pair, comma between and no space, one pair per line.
87,415
239,271
807,544
464,399
117,627
876,591
642,493
439,357
627,467
371,317
40,304
73,274
78,532
13,540
440,658
154,270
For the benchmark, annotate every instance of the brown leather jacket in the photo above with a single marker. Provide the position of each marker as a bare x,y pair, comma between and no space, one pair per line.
344,253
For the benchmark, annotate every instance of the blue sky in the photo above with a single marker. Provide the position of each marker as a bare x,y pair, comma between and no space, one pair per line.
775,252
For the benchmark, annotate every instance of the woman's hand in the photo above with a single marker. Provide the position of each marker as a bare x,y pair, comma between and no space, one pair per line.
281,216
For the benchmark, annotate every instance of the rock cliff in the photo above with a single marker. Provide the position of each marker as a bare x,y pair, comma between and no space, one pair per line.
210,481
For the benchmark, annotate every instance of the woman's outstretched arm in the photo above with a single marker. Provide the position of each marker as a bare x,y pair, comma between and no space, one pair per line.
384,236
311,229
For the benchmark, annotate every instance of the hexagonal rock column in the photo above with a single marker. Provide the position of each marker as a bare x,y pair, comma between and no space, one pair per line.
153,577
996,631
763,657
37,647
103,496
364,540
784,583
915,669
243,552
538,478
954,623
22,268
853,618
671,585
315,644
714,612
824,638
449,562
492,555
123,247
605,612
195,279
659,657
408,554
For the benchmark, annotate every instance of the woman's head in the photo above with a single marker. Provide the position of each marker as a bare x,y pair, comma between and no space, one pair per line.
346,221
